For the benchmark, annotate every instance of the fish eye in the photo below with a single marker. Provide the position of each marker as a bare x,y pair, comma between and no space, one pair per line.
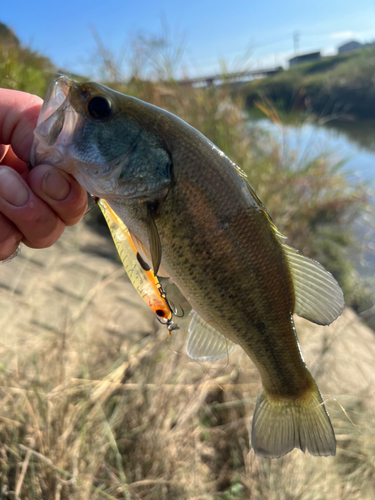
99,108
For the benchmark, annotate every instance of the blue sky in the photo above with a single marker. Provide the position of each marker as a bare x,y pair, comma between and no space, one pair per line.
213,29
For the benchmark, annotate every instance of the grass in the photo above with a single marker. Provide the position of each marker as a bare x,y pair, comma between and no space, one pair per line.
96,402
21,68
337,86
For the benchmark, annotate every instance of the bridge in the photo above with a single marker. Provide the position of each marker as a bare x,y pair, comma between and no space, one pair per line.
235,77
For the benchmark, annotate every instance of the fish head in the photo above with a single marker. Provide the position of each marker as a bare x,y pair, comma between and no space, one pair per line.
108,141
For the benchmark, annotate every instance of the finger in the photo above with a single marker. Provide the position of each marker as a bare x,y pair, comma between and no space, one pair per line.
19,113
11,160
10,238
39,224
61,191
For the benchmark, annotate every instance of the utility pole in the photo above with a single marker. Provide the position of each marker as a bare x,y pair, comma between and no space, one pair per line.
296,41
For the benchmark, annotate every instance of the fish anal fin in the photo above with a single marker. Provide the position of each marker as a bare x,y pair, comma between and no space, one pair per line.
279,425
318,296
205,343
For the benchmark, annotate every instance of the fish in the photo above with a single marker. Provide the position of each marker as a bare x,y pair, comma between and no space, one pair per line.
194,216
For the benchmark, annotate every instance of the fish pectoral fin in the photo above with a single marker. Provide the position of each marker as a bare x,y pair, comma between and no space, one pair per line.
318,296
205,343
144,254
279,425
153,240
142,262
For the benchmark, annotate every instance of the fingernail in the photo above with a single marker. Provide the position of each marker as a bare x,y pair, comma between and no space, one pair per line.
12,189
55,186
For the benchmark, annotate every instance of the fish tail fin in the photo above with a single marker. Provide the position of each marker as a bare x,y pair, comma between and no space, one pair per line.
279,425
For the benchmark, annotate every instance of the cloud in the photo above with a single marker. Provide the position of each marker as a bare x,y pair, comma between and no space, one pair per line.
342,34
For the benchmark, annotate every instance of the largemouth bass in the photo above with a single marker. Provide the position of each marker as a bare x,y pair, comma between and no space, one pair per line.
192,213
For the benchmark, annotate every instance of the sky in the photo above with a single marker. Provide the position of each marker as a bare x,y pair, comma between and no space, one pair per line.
212,30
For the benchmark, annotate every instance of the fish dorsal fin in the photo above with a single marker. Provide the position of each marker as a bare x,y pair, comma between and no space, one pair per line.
318,296
259,202
205,343
244,177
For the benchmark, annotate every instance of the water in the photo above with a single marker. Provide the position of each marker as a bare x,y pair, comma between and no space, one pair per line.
351,142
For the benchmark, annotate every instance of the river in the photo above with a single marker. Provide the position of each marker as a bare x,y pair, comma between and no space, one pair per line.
349,141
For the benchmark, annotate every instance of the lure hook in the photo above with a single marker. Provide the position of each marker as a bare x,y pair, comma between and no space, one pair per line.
169,324
169,303
173,308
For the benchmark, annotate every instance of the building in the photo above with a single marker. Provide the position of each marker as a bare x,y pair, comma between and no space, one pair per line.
303,58
349,46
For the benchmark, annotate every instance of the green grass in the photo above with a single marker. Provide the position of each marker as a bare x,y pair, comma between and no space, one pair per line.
337,86
21,68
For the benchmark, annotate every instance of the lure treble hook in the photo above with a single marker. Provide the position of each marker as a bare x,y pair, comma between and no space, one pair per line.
173,308
169,324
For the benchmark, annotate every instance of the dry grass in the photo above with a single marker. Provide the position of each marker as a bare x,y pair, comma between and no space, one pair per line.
96,402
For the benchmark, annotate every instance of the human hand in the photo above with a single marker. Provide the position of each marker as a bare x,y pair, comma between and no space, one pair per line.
36,205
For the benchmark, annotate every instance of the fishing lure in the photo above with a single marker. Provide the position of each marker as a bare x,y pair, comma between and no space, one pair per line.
144,281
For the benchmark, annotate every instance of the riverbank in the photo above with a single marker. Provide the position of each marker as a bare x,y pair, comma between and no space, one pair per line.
338,86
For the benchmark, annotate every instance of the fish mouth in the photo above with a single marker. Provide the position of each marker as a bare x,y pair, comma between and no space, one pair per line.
53,123
57,93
